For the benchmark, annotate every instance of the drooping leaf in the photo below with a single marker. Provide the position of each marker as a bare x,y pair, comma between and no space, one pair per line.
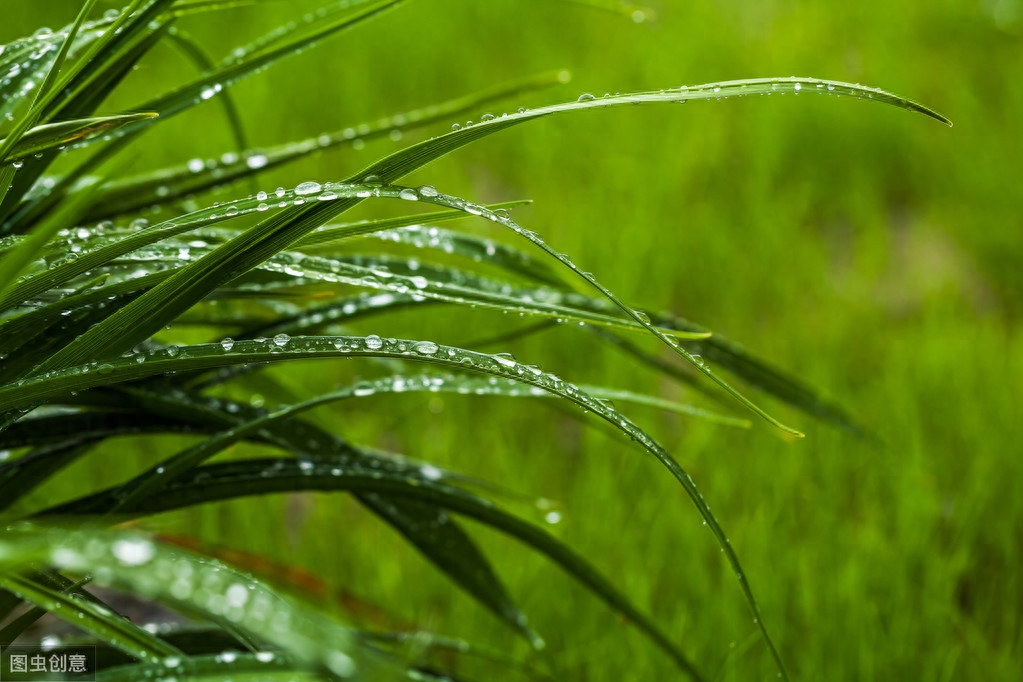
62,382
187,582
240,478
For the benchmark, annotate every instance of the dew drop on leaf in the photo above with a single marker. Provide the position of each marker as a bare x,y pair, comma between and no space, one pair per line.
505,359
307,188
133,552
426,348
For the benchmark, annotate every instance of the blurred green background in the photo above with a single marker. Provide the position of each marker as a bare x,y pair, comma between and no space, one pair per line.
872,252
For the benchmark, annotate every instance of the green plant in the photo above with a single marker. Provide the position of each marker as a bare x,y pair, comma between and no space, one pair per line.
88,285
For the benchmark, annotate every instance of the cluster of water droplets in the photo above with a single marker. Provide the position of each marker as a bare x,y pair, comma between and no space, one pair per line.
449,241
135,562
777,86
501,365
25,62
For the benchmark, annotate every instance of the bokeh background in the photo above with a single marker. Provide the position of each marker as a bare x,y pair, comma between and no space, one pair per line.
873,252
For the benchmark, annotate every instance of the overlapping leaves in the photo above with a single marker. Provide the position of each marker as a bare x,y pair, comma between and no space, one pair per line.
80,304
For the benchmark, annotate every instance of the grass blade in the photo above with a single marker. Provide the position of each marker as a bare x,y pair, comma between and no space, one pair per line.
240,478
53,135
147,314
90,617
189,583
58,383
167,184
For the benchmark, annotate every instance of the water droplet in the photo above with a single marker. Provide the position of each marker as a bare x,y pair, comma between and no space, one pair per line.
341,664
426,348
133,552
797,87
505,359
237,594
307,188
281,340
196,165
256,161
552,517
374,342
227,344
428,191
409,194
586,97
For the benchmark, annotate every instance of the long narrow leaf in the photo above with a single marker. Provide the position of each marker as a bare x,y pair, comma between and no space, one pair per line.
230,480
58,383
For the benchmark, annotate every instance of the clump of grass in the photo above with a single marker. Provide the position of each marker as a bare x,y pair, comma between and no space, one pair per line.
88,286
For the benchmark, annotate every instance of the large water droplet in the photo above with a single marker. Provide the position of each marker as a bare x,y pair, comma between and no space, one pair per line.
426,348
505,359
307,188
133,552
237,594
